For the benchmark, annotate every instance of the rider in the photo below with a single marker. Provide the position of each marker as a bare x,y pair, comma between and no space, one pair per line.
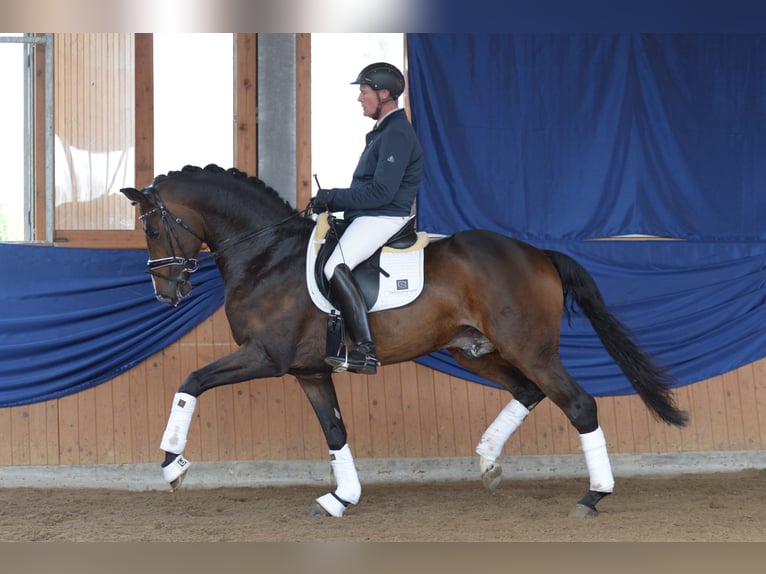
377,205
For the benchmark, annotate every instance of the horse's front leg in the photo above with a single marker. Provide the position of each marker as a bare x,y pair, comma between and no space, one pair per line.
320,391
244,364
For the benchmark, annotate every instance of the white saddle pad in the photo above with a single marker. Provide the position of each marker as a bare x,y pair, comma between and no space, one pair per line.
404,267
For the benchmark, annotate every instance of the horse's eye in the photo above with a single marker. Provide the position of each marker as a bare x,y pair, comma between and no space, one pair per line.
152,233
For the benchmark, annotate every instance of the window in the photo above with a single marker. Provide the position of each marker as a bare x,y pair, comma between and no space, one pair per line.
193,100
15,143
94,134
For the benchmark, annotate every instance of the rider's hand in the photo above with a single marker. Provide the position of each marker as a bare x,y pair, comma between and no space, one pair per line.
319,203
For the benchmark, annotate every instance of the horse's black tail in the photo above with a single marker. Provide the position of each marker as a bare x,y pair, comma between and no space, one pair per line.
652,383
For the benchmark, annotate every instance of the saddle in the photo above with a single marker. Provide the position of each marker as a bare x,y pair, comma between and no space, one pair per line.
367,273
391,277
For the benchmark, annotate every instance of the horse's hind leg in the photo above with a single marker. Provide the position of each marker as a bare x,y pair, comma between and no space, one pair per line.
580,409
526,395
320,391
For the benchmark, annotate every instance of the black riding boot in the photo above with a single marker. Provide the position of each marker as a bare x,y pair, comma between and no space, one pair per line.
361,359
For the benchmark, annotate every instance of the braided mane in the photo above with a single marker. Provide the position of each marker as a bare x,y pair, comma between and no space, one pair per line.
231,172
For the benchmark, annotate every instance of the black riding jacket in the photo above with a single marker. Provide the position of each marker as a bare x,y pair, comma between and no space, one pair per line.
387,177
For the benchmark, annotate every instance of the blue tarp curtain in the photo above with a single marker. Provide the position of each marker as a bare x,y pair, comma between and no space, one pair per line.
559,139
72,318
553,138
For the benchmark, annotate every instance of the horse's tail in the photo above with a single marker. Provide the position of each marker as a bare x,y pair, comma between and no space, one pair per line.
651,382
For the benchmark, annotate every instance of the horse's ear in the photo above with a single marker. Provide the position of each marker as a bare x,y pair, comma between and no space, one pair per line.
134,195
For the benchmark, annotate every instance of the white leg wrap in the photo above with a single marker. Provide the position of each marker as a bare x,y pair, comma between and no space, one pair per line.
346,478
174,437
597,461
497,434
348,487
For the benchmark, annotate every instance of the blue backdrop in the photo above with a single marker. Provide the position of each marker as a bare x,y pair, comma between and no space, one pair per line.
557,139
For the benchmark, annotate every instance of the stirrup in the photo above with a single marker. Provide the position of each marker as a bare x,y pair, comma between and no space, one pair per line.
354,361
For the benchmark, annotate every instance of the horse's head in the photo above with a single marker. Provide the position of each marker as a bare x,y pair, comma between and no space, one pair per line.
173,239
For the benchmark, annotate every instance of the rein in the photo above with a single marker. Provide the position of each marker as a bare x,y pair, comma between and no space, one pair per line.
192,264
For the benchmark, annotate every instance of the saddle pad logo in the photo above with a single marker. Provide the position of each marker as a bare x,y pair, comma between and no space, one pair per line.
402,284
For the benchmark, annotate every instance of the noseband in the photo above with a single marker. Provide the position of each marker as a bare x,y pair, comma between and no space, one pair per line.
189,264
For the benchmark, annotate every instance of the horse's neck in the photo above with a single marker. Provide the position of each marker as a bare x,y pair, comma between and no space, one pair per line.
261,251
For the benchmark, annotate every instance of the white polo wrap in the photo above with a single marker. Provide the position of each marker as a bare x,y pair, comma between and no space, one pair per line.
177,429
497,434
597,461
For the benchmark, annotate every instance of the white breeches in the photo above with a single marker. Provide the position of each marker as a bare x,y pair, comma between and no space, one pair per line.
363,236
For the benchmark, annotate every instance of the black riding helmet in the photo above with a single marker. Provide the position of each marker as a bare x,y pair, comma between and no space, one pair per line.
381,76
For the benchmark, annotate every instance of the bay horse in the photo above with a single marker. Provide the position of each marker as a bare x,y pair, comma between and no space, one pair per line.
494,302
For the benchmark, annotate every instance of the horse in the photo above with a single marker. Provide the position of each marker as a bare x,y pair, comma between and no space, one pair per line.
494,302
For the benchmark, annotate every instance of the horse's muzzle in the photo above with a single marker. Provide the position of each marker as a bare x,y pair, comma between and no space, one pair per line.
183,288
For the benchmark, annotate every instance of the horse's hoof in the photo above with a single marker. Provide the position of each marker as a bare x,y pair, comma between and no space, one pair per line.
175,472
318,510
176,484
491,474
583,511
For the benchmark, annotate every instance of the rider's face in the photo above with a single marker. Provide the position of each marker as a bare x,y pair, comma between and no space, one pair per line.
369,100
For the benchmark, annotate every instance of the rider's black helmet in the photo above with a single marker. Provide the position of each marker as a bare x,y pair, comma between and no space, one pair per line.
381,75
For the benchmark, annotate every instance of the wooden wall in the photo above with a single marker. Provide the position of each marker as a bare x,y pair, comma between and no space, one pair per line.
404,411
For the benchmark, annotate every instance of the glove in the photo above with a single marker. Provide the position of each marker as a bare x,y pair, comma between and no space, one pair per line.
320,202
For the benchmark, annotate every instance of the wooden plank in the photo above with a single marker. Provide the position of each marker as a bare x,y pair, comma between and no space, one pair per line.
275,393
188,362
748,408
246,102
157,403
732,408
20,435
624,440
701,421
445,428
641,424
427,410
207,403
413,443
6,437
259,422
104,401
139,424
378,413
294,432
314,443
69,445
392,391
543,423
52,433
759,388
242,415
356,412
87,428
302,119
376,407
144,110
718,423
38,433
527,434
227,431
460,417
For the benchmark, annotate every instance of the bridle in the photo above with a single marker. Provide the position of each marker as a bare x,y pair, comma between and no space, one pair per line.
189,264
170,222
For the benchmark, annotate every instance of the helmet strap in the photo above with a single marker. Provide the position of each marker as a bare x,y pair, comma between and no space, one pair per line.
376,115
